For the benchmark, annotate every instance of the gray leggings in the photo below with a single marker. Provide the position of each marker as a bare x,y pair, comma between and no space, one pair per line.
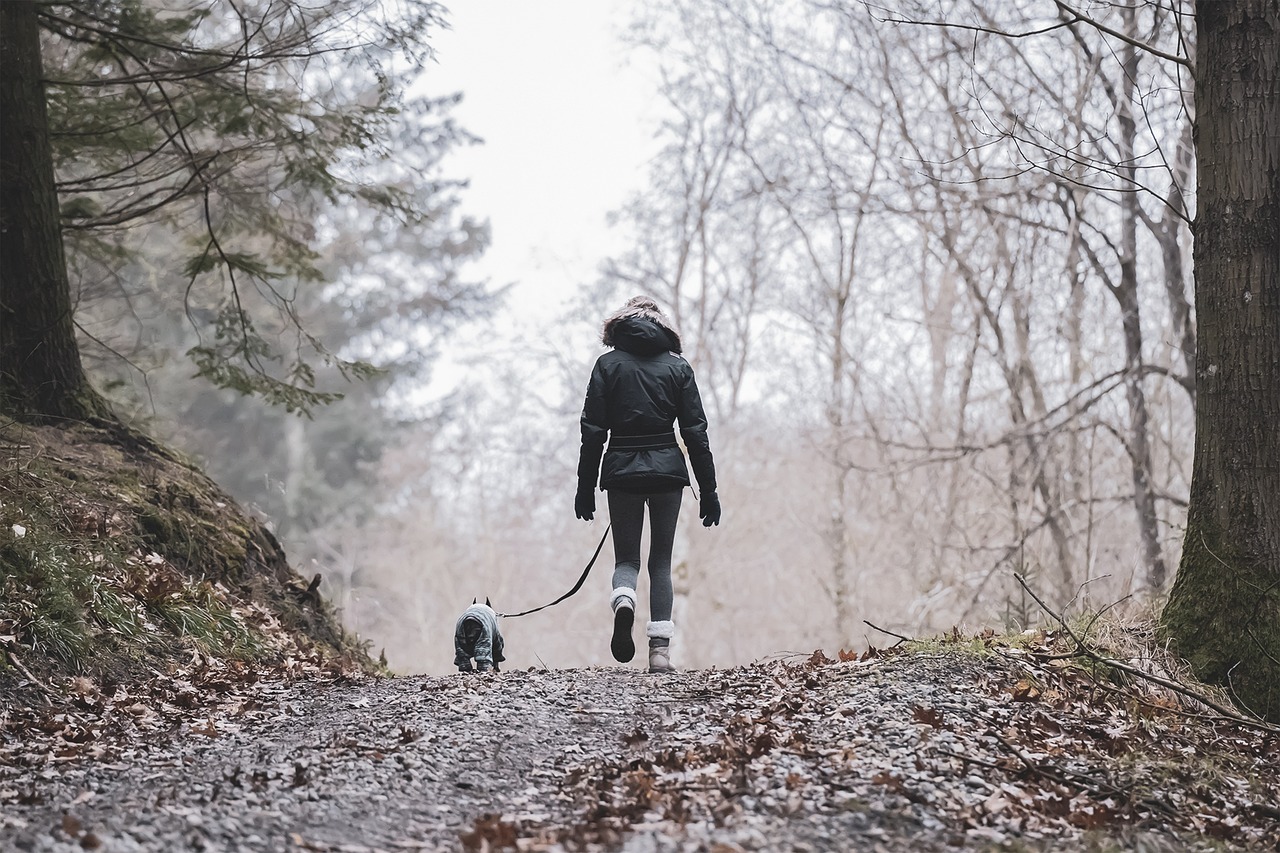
626,512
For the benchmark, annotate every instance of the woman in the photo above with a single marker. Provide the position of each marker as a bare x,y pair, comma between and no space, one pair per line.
637,391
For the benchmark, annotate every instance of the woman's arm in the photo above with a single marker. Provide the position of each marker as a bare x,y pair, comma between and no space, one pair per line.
693,429
595,430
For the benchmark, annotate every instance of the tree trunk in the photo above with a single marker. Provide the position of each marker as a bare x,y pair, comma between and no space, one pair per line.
1223,614
1169,232
1126,293
295,476
842,580
41,377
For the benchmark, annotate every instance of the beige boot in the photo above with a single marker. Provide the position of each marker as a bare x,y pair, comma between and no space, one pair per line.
660,634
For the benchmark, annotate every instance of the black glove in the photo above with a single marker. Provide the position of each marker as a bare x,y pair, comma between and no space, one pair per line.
709,509
584,505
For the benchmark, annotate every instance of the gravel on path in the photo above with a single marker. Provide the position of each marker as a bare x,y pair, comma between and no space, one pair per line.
919,752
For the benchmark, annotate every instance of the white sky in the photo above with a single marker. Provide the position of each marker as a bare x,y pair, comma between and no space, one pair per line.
568,129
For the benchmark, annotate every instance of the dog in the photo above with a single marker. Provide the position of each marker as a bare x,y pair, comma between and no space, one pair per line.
476,635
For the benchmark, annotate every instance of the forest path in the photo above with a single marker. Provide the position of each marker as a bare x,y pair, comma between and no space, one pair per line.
905,752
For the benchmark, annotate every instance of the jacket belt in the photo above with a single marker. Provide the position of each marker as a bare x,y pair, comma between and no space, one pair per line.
656,441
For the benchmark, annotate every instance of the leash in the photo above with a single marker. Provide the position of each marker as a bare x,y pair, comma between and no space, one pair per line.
577,586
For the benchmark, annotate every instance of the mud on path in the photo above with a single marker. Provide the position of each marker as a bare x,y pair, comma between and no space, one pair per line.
922,751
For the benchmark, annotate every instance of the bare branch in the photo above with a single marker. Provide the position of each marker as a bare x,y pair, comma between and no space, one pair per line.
1085,650
1078,18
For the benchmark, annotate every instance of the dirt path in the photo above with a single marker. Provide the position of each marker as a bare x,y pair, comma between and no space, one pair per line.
911,752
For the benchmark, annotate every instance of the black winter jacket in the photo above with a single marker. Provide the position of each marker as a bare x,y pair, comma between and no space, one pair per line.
636,393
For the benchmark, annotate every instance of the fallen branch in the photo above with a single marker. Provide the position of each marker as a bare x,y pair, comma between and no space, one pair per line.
1083,782
26,673
884,631
1207,719
969,759
1083,650
1062,777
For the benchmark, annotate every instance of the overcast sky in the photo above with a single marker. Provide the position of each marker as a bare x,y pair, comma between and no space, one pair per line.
567,124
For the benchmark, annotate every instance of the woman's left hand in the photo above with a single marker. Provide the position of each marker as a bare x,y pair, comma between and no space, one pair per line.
584,505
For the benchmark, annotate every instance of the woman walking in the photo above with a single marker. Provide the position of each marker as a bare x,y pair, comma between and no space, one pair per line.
637,392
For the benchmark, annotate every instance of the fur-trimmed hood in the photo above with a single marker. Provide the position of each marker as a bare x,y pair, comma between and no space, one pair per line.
640,327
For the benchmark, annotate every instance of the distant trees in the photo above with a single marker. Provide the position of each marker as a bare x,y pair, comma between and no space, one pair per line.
1019,357
942,269
1223,609
964,261
209,162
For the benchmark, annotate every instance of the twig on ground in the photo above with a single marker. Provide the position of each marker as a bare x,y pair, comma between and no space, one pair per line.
969,759
1062,777
26,673
884,631
1085,783
1084,651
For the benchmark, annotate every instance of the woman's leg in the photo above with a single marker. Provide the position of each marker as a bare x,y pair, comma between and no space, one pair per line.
664,512
626,514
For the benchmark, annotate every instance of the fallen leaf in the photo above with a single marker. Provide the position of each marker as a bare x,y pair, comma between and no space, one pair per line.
1025,691
819,659
928,716
490,831
207,728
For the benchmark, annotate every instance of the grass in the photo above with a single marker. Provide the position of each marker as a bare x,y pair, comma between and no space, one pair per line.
74,598
45,591
115,553
980,645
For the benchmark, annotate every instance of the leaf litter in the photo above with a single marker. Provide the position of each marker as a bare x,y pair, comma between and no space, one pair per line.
1013,747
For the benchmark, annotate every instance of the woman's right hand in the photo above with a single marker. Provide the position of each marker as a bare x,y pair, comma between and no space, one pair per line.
709,509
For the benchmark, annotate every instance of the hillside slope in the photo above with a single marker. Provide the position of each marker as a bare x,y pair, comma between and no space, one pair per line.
118,558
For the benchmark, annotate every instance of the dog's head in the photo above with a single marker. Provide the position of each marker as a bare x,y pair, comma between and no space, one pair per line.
472,628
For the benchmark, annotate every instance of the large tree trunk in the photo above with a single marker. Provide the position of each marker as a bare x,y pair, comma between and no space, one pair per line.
1223,614
41,376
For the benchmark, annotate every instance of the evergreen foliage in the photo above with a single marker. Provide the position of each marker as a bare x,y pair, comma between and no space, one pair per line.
210,156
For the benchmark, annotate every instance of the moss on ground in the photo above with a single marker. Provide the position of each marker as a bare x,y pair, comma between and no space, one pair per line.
117,555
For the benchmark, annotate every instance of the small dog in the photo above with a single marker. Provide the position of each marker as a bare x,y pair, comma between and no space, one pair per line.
476,635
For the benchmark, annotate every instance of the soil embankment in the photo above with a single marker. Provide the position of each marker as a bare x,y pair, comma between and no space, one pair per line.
121,558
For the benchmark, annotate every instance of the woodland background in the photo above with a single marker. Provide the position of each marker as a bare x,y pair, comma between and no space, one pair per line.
934,282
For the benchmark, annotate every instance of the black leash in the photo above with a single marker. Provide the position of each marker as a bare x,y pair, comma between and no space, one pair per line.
577,586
